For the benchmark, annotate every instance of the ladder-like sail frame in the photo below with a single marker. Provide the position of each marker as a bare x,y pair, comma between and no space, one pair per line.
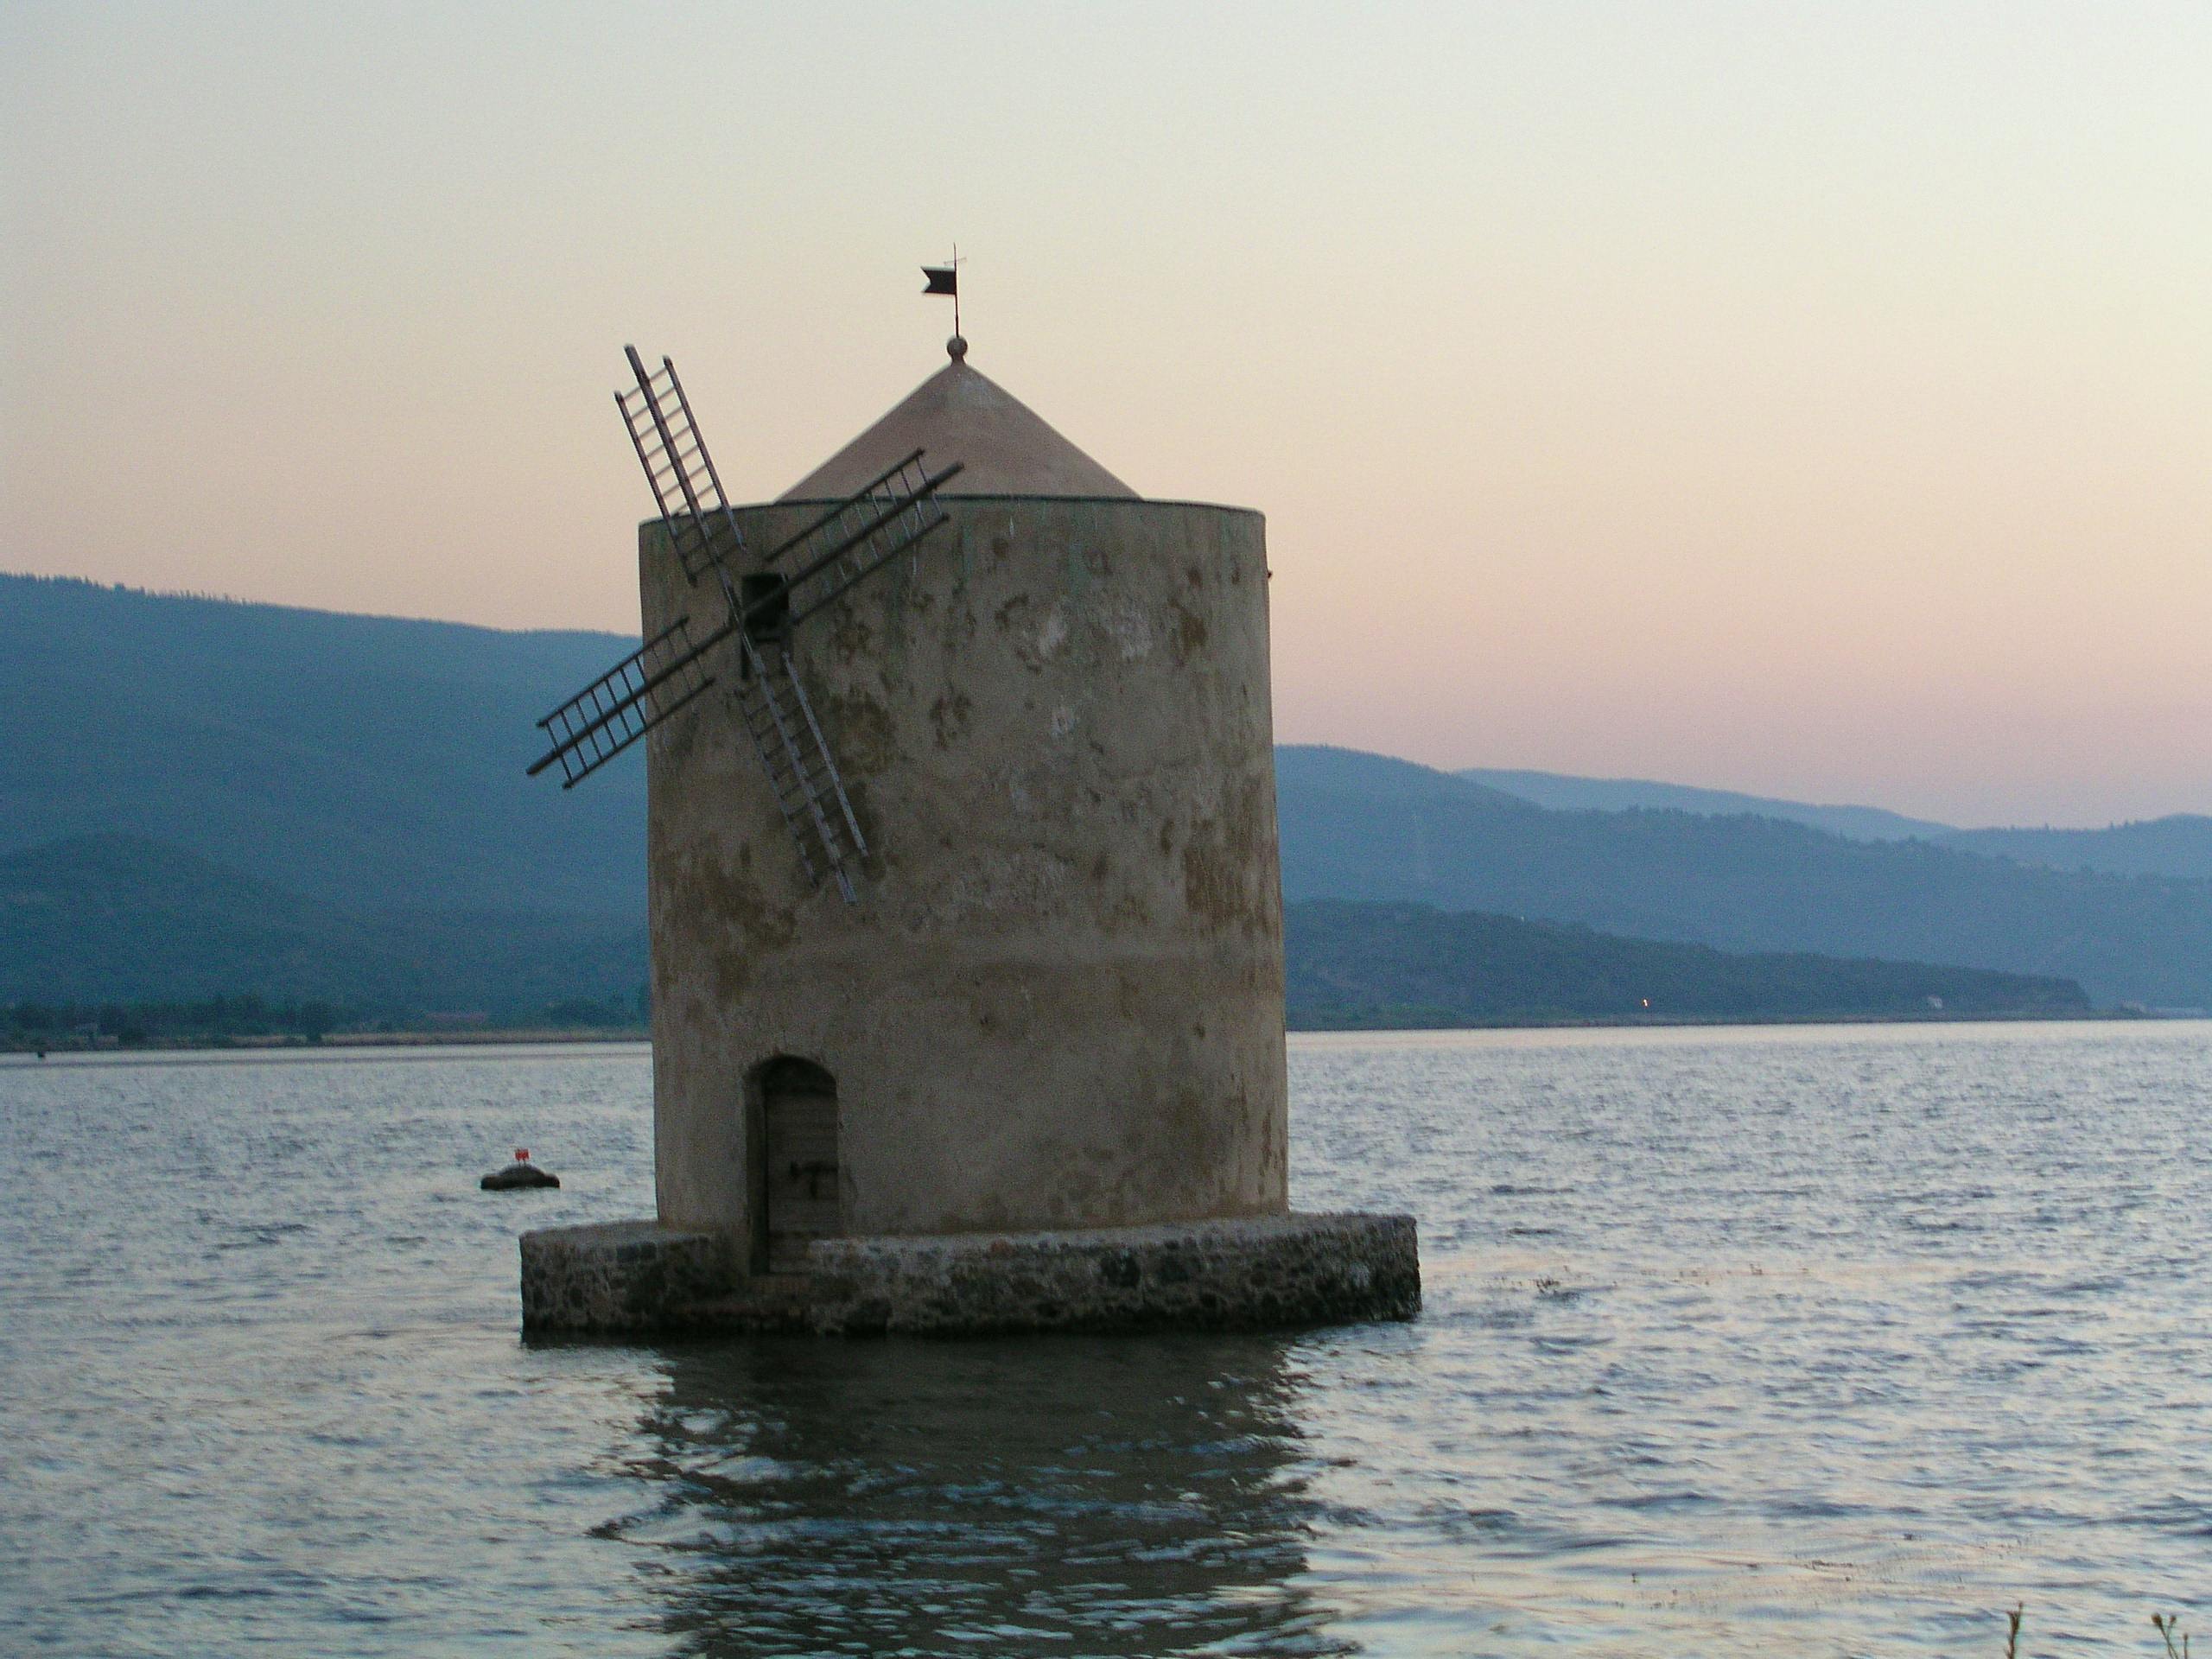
679,471
825,559
629,700
801,775
861,534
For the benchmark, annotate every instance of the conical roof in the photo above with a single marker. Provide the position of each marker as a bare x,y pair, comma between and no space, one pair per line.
958,414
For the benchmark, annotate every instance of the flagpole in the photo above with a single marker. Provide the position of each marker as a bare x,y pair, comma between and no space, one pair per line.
955,288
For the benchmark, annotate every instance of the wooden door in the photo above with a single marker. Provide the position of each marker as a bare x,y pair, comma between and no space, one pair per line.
799,1119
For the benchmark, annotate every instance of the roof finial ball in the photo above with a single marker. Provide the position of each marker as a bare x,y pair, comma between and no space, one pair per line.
955,348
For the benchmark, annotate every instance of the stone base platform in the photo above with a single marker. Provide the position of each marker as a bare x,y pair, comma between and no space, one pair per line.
1252,1272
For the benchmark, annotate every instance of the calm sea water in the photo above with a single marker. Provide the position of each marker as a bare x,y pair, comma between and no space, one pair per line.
1813,1341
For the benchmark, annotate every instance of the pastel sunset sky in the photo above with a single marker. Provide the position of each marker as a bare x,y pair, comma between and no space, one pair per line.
1813,399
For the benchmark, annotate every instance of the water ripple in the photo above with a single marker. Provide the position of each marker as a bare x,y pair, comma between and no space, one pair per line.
1737,1342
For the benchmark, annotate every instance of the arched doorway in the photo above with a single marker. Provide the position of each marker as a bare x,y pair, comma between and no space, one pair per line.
798,1180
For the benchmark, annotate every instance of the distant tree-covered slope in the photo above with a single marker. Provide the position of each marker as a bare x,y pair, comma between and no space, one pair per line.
374,765
1564,792
1370,965
1355,830
359,760
120,919
2181,845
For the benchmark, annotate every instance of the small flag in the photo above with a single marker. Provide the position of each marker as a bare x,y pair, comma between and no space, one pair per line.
944,279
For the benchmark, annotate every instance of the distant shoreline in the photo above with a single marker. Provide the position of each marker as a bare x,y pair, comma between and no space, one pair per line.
517,1037
1961,1017
551,1036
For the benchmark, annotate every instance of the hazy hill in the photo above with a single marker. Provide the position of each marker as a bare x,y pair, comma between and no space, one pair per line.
1563,792
1360,826
1371,965
354,758
2181,845
121,919
375,767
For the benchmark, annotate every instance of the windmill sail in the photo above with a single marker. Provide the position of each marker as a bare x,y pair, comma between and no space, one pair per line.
685,486
860,535
811,796
628,700
765,599
853,540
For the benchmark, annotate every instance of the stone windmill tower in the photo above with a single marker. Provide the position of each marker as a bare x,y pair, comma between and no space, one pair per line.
966,918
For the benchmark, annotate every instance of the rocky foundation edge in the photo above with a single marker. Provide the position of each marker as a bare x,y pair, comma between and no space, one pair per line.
1241,1274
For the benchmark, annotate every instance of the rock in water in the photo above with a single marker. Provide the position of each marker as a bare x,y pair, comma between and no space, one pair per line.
521,1173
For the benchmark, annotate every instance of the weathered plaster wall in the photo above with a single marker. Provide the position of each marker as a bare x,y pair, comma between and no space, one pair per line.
1059,1003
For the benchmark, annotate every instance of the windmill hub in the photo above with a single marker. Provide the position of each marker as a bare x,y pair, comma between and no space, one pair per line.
1031,1071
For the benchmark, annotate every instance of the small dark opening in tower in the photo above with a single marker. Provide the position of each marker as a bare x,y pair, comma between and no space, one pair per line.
801,1198
767,598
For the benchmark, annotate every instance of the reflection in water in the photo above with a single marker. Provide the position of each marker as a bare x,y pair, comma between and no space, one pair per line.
1138,1495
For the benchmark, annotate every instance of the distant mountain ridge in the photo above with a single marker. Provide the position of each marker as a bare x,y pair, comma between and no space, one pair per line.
1384,965
375,767
1565,792
2178,845
351,759
122,918
1366,828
